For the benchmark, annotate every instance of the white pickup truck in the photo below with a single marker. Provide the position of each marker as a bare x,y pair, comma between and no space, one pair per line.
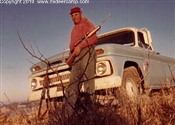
125,57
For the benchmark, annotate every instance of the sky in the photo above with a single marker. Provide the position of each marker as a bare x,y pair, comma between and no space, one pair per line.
50,24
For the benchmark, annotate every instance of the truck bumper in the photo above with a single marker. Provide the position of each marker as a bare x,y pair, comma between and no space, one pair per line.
100,83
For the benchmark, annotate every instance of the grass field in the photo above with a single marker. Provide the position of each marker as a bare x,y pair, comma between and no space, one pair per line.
156,108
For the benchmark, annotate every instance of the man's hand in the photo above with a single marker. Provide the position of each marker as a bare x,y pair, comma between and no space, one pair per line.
77,50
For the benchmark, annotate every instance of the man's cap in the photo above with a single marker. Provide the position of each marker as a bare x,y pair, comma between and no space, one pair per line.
75,9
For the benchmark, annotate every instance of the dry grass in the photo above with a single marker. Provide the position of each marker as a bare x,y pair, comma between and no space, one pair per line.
157,108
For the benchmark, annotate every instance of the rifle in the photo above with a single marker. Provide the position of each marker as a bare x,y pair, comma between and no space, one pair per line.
70,60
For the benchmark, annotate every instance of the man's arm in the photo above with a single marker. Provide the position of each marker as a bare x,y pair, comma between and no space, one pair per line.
89,27
77,49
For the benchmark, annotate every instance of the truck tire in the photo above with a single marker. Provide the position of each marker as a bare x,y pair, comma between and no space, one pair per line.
131,82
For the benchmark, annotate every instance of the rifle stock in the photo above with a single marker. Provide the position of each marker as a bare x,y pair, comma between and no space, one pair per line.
70,60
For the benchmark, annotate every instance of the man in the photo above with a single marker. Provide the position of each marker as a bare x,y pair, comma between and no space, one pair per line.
83,68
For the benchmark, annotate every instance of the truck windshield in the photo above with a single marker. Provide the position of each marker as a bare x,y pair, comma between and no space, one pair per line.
123,38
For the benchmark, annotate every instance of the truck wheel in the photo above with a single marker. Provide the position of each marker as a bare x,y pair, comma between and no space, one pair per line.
131,82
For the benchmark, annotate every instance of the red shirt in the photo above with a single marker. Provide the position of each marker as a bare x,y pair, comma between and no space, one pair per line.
80,30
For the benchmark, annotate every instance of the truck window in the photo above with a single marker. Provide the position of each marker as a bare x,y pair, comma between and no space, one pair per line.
141,41
123,38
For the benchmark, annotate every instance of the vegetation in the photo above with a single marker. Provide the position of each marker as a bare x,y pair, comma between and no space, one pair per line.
152,108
